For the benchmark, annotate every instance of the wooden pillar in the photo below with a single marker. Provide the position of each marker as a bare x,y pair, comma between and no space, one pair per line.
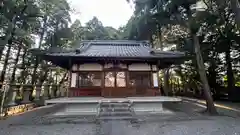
128,81
103,80
70,77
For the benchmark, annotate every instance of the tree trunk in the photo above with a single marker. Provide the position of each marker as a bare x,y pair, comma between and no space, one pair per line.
10,94
159,34
166,82
9,35
151,41
230,76
6,62
201,69
2,46
11,29
23,77
62,80
36,63
44,77
15,67
179,86
212,77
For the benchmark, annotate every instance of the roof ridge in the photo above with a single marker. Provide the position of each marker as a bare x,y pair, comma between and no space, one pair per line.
116,44
110,40
116,41
83,48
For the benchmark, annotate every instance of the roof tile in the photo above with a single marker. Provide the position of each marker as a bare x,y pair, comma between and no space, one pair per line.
117,48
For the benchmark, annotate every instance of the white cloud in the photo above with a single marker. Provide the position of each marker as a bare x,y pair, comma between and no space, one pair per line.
113,13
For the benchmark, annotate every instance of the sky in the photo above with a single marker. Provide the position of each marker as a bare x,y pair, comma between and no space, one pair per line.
113,13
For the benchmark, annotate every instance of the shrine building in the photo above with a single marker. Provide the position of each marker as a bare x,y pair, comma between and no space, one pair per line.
113,68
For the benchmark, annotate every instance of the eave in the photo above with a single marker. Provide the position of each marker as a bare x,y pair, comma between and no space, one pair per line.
67,61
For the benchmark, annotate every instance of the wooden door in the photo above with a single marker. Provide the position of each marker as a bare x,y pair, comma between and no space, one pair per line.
139,85
115,84
109,83
142,83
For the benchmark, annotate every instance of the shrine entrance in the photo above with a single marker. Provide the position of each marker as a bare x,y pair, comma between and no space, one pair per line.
115,83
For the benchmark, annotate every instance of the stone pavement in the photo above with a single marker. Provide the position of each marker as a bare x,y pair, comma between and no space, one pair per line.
183,121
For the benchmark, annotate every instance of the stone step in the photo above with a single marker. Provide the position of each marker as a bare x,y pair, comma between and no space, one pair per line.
115,101
116,118
114,109
114,105
115,114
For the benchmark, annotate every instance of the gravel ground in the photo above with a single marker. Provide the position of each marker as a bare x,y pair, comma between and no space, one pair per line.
184,121
214,126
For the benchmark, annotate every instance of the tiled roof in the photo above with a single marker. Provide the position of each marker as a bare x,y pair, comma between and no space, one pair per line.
115,48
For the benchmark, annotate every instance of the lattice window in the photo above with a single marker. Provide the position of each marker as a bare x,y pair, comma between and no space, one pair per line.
86,79
115,79
121,79
110,79
140,79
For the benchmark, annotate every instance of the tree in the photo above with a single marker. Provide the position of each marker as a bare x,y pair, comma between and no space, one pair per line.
55,18
182,13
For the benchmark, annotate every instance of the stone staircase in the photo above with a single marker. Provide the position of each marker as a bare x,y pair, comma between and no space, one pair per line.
114,110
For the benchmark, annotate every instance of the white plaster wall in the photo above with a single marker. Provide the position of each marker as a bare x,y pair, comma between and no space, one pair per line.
123,65
90,67
73,79
139,67
155,79
154,68
108,65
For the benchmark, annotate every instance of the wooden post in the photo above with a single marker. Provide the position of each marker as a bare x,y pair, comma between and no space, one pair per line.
127,77
70,76
102,80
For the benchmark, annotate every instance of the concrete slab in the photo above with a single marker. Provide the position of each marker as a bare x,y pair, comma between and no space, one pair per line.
102,99
154,99
90,105
65,113
73,100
